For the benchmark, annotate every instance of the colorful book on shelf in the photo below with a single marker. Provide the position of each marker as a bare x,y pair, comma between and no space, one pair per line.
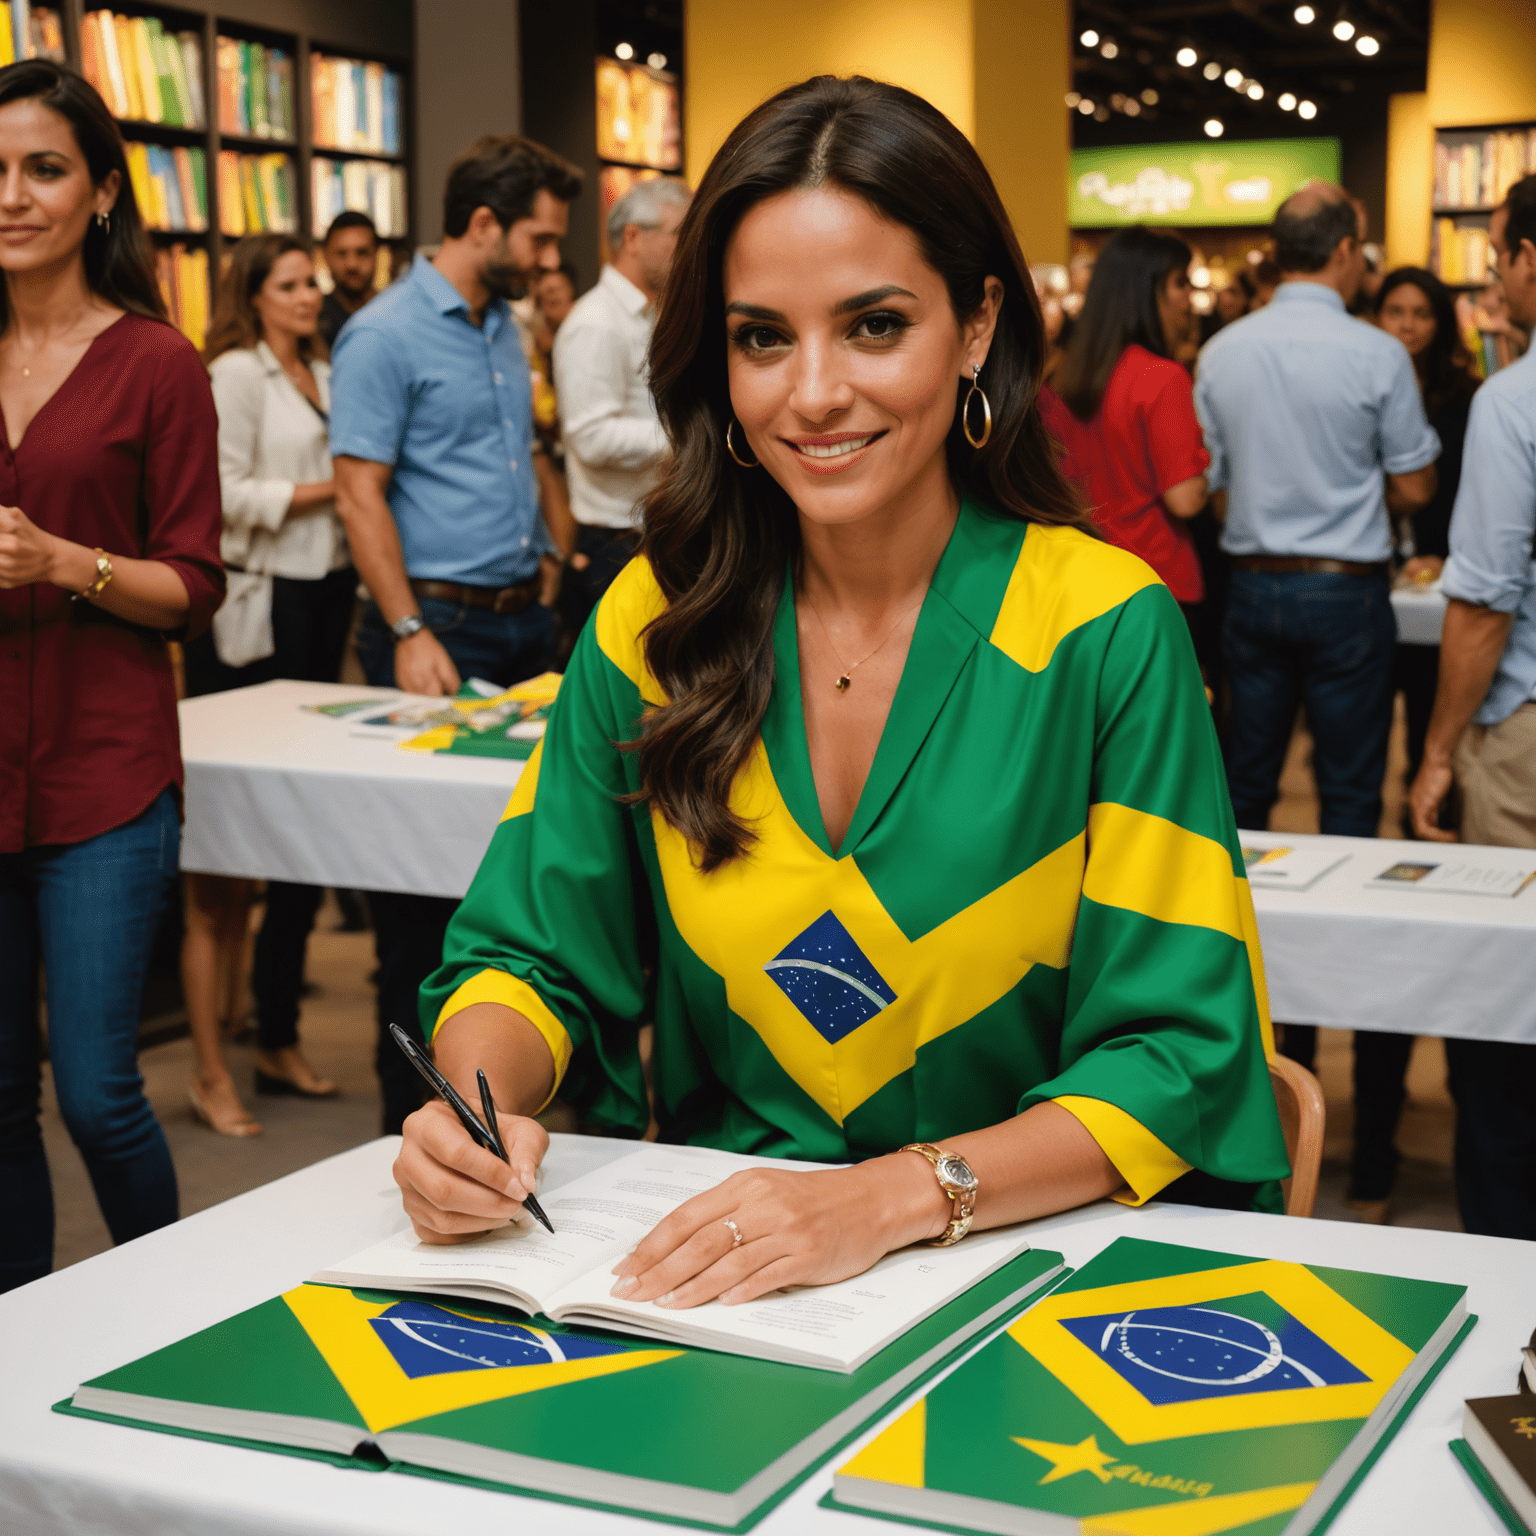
21,27
183,278
1168,1390
7,41
47,37
486,1393
355,105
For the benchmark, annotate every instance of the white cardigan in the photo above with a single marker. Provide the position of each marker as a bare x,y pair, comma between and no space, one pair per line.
271,439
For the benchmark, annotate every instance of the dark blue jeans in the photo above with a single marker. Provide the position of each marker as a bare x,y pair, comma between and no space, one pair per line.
408,930
88,912
1326,643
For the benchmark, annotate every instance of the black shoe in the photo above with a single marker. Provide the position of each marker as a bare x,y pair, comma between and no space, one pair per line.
284,1087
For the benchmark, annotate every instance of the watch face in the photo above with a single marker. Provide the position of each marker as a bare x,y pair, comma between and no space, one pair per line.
956,1171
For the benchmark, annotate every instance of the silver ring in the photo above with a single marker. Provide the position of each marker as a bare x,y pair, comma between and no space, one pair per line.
736,1237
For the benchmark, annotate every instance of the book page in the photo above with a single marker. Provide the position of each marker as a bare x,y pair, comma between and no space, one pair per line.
597,1218
1455,876
836,1326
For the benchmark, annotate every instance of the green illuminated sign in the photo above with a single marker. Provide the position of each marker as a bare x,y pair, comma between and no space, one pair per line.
1211,183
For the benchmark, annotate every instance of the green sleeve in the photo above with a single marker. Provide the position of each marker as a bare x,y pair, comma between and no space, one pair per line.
558,921
1165,1019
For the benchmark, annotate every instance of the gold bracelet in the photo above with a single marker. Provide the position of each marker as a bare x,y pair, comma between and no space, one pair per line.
103,576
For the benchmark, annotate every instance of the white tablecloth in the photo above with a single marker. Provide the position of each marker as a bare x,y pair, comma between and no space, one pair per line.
62,1476
277,793
1420,613
1402,960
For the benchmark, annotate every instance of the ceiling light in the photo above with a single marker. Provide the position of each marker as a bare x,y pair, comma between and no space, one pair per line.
1186,57
1286,102
1367,45
1150,97
1085,107
657,60
1089,39
624,51
1234,78
1110,48
1308,110
1212,71
1255,91
1343,29
1214,128
1073,98
1305,15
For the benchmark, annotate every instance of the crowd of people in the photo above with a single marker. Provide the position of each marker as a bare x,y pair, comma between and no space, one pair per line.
470,450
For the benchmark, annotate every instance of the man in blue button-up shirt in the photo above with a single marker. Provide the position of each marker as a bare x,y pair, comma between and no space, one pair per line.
1316,431
432,437
1484,724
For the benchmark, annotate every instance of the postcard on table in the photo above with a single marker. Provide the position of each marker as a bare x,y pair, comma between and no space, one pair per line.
1456,877
1287,865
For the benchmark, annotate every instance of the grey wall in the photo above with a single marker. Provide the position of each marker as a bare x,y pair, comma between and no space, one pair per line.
468,82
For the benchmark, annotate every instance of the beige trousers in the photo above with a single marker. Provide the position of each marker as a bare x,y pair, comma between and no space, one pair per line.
1496,769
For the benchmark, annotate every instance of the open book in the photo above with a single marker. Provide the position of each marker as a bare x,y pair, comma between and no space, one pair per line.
598,1218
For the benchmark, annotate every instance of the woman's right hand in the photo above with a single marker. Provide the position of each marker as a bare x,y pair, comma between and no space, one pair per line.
453,1188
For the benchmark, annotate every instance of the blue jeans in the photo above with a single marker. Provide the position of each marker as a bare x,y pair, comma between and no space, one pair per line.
408,930
88,911
1324,642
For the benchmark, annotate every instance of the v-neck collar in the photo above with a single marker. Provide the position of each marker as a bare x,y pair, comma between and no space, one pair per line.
64,383
942,643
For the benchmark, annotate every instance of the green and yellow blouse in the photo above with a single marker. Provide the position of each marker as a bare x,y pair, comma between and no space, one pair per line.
1041,894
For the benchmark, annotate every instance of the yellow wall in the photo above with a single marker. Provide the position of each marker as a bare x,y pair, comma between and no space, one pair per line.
997,68
1482,69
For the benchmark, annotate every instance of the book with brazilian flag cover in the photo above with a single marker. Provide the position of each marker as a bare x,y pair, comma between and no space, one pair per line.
1167,1391
495,1397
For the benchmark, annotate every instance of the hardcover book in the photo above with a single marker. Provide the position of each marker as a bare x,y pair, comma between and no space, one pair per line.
484,1394
1167,1391
1501,1433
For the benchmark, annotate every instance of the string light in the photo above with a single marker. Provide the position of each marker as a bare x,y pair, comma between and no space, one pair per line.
1085,107
1308,110
1212,71
1110,48
1150,97
1214,128
624,51
1234,78
1305,15
1343,29
1367,45
1255,91
1073,97
1286,102
657,61
1089,38
1186,57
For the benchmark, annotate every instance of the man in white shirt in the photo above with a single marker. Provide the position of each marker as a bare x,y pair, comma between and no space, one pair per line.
613,440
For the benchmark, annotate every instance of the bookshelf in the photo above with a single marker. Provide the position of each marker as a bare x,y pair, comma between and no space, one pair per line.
241,133
1475,166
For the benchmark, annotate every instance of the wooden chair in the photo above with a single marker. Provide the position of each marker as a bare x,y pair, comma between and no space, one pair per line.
1299,1098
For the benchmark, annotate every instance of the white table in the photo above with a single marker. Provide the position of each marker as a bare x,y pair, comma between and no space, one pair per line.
1403,960
275,792
1420,614
75,1477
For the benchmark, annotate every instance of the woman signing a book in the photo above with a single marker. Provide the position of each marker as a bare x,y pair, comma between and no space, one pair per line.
878,781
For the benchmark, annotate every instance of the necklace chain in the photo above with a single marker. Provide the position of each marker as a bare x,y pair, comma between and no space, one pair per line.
845,678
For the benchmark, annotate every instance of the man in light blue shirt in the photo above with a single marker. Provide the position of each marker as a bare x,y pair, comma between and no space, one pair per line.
1483,728
1316,431
436,481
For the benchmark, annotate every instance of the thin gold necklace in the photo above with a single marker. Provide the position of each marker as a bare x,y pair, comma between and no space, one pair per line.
846,677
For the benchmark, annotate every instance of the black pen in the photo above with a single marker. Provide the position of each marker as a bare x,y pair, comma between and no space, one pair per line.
490,1139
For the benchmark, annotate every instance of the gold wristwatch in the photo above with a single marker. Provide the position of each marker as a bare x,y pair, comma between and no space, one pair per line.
958,1182
103,576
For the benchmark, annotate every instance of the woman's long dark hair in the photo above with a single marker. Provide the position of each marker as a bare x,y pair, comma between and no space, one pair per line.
1445,366
118,263
235,322
1120,311
719,537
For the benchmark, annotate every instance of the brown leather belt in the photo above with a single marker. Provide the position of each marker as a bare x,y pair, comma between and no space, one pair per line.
497,599
1306,566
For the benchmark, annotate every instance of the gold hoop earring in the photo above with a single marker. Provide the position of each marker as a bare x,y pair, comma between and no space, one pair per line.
986,409
745,463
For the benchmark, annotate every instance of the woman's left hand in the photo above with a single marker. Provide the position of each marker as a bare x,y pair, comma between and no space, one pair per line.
26,552
797,1228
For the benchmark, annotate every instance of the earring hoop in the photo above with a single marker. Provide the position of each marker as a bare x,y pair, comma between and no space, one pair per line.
745,463
986,410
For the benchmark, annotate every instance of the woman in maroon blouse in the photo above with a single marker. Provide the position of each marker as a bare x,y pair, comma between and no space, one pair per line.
109,543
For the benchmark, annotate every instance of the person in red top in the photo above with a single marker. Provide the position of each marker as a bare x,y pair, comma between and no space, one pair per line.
109,544
1124,411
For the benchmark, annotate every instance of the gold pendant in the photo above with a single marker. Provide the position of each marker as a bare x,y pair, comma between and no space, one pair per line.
842,683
